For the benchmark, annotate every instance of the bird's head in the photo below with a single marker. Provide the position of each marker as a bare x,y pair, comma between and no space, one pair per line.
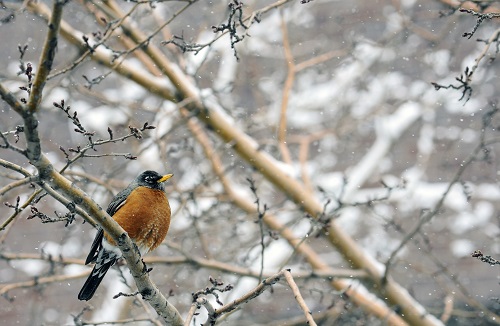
152,179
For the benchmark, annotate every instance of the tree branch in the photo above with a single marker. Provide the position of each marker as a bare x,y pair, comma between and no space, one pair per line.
47,57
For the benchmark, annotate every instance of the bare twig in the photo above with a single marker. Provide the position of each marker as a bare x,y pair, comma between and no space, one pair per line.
300,246
298,297
40,281
257,291
485,258
448,308
465,79
480,18
261,213
249,150
427,216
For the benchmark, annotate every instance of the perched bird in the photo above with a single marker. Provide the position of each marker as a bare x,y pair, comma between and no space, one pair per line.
143,211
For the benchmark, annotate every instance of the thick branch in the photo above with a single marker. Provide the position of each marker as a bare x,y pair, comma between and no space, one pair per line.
317,263
249,150
47,57
47,174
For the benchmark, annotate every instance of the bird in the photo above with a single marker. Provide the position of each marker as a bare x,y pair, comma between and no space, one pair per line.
143,211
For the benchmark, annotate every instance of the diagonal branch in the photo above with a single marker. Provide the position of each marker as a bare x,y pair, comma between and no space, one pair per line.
247,148
47,57
47,175
41,280
375,307
258,290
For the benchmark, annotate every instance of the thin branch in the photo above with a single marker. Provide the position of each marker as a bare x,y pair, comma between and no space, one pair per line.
198,262
480,18
261,213
109,32
249,150
11,100
69,204
427,216
192,310
298,297
133,321
19,210
257,291
448,308
7,145
41,280
375,307
105,56
485,258
47,174
148,39
465,79
493,38
16,184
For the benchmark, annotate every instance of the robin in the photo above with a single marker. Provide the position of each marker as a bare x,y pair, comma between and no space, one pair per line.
143,211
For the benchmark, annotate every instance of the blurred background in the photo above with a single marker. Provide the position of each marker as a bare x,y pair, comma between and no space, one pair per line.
341,93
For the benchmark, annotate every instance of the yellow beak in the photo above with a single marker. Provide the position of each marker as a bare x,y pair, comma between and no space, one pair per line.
165,178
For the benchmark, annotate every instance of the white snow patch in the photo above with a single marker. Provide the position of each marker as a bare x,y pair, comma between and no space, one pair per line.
462,247
394,125
32,267
349,220
13,68
389,129
331,182
301,228
484,212
487,191
72,247
439,61
375,248
466,221
394,22
55,95
408,3
457,199
74,269
163,124
97,118
194,61
426,140
51,248
111,308
150,155
129,91
191,179
463,223
469,135
274,256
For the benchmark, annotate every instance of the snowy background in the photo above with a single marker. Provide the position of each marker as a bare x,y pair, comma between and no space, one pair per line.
367,132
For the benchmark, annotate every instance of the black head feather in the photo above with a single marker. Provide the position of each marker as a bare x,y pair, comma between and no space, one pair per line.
152,179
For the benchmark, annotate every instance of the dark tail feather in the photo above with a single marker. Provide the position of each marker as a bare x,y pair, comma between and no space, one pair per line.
93,281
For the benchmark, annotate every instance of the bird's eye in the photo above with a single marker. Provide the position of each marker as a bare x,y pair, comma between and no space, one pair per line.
149,179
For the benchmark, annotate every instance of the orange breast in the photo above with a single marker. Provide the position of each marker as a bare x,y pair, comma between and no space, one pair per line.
145,216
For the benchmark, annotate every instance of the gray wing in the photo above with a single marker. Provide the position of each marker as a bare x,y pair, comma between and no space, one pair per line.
96,245
113,207
119,200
